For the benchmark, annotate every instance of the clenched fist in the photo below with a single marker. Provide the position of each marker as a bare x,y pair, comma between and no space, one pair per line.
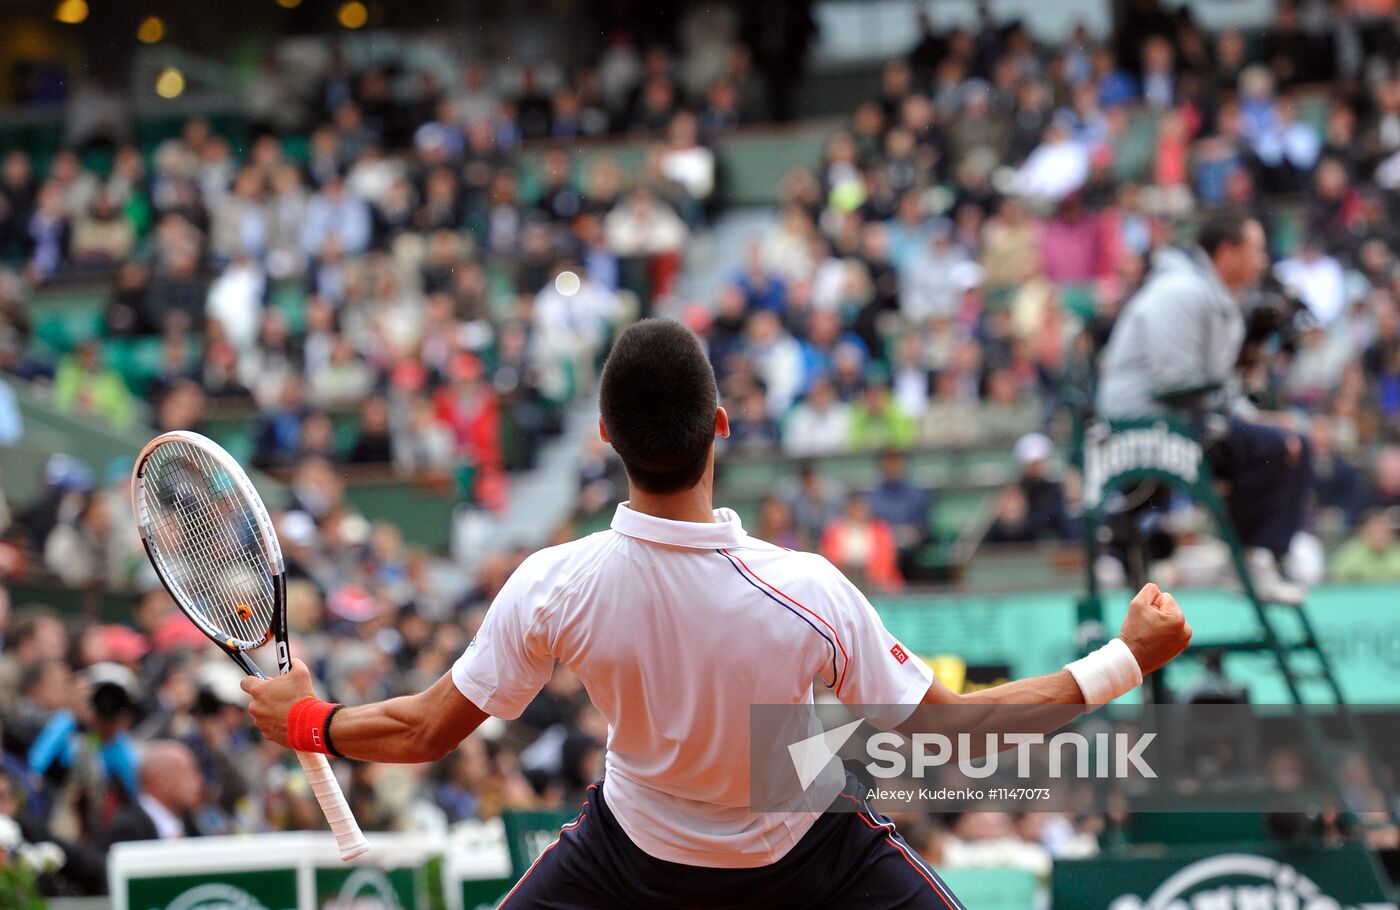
1155,629
273,699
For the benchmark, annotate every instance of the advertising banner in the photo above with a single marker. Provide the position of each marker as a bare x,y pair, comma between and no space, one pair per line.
1222,879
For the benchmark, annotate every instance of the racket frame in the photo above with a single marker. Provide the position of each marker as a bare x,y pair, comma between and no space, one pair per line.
351,841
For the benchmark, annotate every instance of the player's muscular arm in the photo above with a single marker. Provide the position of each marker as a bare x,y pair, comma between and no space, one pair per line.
1155,631
409,729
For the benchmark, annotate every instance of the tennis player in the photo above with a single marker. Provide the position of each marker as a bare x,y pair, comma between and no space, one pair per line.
677,621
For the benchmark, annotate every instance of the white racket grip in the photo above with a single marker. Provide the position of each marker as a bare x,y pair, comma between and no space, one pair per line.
348,835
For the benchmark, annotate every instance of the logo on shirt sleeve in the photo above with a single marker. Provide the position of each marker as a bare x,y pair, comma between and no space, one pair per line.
899,653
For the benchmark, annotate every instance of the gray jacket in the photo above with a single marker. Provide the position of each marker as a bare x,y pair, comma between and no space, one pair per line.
1182,328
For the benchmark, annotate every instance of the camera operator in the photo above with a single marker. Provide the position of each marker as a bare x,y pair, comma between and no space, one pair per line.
1177,350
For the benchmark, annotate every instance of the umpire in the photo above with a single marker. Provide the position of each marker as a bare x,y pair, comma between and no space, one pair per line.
1174,351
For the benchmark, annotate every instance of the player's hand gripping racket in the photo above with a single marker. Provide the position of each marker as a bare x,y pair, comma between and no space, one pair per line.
210,540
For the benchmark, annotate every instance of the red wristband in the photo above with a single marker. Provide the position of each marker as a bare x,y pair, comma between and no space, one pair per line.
306,725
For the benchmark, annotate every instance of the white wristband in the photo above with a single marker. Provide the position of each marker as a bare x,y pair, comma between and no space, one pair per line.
1107,673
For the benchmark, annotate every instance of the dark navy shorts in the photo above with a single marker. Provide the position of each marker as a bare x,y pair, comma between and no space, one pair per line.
854,860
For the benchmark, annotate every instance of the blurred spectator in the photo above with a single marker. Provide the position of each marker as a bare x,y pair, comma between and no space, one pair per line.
79,548
171,789
863,546
335,219
1387,478
878,421
235,302
1010,247
48,232
751,427
470,410
174,300
777,358
904,507
85,387
424,445
344,379
278,432
1286,149
642,225
101,236
18,196
1011,522
1336,481
1057,167
762,289
934,285
373,440
687,163
1045,498
815,502
1317,278
1071,243
819,424
34,637
776,525
1373,554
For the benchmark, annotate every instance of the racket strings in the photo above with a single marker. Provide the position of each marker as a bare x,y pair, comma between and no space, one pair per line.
205,536
220,593
214,548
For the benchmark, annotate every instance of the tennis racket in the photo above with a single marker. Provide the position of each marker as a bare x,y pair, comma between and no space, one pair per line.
210,540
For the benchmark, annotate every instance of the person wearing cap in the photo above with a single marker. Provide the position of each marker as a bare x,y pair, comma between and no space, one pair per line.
214,742
90,740
1045,498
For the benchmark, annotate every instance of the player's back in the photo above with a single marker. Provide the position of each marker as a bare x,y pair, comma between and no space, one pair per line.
675,629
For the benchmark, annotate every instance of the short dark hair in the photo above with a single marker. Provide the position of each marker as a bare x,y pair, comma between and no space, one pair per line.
658,400
1222,227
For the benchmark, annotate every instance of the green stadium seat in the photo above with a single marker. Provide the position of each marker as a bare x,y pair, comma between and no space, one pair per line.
1288,225
232,426
989,465
291,299
1080,300
954,509
1032,567
423,513
1136,150
297,147
140,359
66,316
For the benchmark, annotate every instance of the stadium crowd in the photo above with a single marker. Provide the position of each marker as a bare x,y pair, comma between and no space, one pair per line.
935,280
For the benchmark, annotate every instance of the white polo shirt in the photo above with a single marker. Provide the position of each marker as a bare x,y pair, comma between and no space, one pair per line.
676,628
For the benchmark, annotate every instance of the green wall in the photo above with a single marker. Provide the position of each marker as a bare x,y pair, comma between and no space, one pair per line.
1358,626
